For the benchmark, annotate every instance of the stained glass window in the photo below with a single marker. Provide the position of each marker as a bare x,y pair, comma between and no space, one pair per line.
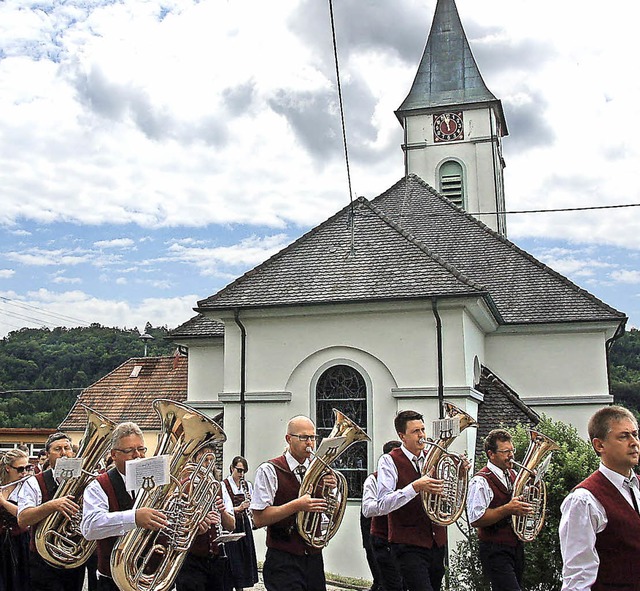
343,388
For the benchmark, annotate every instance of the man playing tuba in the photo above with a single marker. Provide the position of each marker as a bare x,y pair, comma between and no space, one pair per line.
290,563
108,506
417,544
36,502
490,505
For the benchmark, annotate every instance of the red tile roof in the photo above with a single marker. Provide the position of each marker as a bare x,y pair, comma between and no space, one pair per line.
127,392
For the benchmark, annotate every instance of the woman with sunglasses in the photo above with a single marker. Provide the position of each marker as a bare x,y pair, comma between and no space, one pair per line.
242,553
14,542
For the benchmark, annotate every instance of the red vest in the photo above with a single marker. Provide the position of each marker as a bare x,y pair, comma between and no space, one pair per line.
284,535
409,524
48,487
119,500
618,545
500,532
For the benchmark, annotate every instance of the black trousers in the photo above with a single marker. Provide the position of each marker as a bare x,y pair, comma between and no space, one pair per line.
204,573
106,584
390,576
45,577
502,565
365,532
288,572
422,569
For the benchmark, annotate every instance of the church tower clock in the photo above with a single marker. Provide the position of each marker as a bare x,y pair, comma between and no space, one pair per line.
453,125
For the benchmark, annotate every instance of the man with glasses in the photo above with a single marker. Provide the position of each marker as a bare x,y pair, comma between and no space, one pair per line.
290,563
490,505
108,507
36,502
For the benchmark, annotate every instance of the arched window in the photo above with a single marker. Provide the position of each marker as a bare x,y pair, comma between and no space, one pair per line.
343,388
452,182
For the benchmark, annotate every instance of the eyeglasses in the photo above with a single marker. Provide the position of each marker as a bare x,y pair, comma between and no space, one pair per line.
21,469
60,449
241,470
305,438
506,451
130,450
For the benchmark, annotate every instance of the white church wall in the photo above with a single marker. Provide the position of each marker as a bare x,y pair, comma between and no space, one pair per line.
205,373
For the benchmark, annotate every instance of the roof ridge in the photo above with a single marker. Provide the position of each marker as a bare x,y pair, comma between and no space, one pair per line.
577,289
490,376
278,254
417,242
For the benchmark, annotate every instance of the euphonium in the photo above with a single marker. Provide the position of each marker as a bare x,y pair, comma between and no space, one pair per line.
58,539
144,560
316,529
443,509
530,486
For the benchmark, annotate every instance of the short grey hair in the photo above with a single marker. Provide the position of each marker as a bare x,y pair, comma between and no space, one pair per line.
124,430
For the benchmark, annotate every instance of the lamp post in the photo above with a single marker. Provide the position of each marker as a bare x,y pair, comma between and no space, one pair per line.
145,337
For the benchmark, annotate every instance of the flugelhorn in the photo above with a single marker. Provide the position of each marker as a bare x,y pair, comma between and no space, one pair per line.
530,486
58,539
444,509
316,529
145,560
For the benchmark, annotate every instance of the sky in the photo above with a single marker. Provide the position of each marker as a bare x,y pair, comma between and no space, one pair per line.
151,151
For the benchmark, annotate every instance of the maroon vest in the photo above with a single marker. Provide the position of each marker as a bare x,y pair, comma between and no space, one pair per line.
409,524
618,545
379,524
119,500
500,532
236,499
284,535
48,487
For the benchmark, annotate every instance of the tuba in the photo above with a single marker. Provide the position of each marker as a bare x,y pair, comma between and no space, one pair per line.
316,529
144,560
443,509
530,486
58,539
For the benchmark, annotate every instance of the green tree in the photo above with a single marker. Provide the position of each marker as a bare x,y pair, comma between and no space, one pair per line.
571,464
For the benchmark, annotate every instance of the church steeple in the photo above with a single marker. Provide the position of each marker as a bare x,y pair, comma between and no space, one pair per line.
454,124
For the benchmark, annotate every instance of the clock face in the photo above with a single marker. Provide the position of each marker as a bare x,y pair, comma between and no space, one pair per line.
448,127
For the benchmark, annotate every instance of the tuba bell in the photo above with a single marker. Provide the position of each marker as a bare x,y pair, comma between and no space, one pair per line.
443,509
58,539
144,560
530,486
316,529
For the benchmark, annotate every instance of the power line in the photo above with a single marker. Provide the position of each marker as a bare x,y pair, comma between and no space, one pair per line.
39,390
40,312
555,210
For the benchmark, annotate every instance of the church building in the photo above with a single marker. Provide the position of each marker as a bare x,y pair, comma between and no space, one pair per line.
404,301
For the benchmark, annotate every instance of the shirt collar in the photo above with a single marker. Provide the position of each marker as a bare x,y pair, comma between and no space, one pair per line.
618,480
410,455
292,462
497,471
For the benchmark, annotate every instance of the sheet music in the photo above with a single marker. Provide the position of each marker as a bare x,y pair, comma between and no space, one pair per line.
67,468
147,473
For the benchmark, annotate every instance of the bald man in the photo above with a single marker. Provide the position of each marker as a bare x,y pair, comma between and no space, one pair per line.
290,564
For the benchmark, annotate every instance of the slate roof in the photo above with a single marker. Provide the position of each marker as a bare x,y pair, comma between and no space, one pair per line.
386,263
448,74
121,397
411,242
200,326
501,408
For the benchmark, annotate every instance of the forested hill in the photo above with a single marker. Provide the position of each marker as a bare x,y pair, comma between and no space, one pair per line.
624,364
42,371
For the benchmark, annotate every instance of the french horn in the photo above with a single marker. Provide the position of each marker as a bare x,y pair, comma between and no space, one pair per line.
145,560
530,486
316,529
58,539
445,508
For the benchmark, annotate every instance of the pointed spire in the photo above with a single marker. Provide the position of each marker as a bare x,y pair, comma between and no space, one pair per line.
448,73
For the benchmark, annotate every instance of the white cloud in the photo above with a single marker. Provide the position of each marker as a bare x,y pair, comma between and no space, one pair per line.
626,276
6,273
115,243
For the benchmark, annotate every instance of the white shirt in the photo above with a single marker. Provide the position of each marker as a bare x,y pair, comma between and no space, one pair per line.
480,495
266,483
390,499
29,495
583,517
370,507
237,490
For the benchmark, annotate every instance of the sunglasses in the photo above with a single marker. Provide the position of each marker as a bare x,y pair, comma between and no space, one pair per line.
21,469
241,470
